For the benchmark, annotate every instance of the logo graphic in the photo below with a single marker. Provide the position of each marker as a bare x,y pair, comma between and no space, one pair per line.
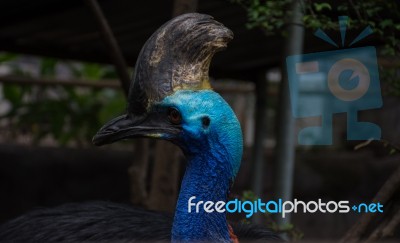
280,207
324,83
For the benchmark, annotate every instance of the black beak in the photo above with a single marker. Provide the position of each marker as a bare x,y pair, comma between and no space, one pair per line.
126,126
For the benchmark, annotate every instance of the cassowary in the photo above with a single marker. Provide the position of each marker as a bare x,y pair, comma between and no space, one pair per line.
171,99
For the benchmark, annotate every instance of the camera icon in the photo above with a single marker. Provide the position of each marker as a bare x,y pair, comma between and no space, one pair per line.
325,83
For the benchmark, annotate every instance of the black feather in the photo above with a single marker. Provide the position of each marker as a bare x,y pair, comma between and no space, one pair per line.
104,222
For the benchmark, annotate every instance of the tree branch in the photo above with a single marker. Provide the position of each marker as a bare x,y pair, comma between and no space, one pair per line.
384,194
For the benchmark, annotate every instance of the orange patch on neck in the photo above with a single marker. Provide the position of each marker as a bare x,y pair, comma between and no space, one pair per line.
232,235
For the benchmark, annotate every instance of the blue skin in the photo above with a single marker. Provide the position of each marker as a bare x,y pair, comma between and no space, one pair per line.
214,154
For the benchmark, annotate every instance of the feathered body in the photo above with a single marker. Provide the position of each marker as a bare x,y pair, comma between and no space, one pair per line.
104,222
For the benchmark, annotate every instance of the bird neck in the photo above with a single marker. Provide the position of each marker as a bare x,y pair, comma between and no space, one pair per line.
208,177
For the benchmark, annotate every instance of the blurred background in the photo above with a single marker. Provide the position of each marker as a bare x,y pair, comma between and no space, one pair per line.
65,68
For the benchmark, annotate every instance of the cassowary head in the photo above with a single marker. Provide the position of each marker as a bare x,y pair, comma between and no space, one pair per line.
170,96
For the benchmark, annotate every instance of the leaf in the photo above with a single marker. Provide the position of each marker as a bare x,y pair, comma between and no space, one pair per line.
385,23
321,6
6,57
13,94
248,195
48,67
286,227
93,71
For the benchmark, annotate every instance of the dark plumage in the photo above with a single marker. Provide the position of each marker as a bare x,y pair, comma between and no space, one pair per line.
105,222
85,222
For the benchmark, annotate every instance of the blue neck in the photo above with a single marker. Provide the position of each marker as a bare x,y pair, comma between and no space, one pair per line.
214,153
208,177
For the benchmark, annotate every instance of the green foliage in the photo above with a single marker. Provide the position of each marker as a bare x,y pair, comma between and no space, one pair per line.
391,148
92,71
5,57
249,196
383,16
13,94
67,114
268,15
321,6
48,67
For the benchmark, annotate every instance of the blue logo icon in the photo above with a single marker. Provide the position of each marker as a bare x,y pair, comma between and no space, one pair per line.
325,83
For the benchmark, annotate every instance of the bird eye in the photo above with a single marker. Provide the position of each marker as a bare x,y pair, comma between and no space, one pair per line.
174,116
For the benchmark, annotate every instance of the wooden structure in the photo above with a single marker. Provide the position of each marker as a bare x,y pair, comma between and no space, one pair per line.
68,29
